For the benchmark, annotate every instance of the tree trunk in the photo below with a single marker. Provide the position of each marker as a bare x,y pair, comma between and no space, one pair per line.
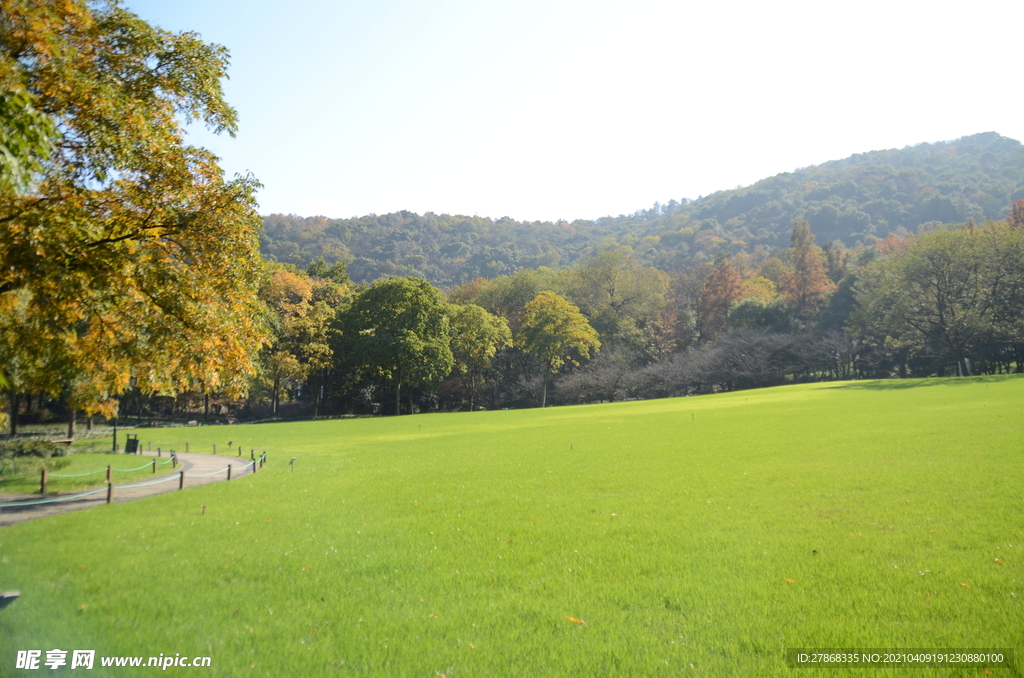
544,392
472,390
206,406
15,406
273,400
398,402
72,420
88,423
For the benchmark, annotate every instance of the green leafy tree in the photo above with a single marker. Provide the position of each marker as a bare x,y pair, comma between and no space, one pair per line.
337,273
476,337
398,330
623,300
961,290
508,296
556,332
130,255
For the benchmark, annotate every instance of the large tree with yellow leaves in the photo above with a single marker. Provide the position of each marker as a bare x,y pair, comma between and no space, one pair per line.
127,256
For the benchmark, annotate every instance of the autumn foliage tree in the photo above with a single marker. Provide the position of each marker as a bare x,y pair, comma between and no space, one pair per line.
807,284
300,312
722,288
287,296
129,255
1016,216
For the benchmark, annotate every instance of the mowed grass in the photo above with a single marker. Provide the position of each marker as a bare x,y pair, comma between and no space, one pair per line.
693,536
126,469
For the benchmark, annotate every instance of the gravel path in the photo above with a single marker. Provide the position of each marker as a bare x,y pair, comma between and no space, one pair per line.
193,464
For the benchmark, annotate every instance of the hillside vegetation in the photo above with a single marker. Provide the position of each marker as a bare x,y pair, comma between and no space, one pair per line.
865,196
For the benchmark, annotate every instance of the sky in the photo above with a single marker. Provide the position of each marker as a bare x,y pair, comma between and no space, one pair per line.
577,109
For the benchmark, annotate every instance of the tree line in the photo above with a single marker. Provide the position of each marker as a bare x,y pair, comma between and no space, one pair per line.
947,301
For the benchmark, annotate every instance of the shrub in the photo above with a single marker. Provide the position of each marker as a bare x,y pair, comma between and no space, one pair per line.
39,449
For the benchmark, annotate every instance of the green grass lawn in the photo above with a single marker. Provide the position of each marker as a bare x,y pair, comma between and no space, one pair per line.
693,536
126,469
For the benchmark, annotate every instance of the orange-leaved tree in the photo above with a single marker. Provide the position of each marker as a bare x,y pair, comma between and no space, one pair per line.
807,284
722,288
1016,216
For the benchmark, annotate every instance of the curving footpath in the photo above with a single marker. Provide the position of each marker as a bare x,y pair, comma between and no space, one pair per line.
200,469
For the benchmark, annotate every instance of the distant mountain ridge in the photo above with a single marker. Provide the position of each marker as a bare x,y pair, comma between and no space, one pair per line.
853,200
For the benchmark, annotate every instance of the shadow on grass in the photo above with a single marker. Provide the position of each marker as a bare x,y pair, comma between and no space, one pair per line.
898,384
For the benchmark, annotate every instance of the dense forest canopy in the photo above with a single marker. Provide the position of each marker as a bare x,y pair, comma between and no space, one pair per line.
852,201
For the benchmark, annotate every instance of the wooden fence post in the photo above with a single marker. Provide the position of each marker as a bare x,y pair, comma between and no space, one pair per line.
215,449
229,471
110,492
110,475
174,460
186,447
239,450
42,483
181,480
154,467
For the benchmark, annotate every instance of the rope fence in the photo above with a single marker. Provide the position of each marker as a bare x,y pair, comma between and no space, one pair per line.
170,460
256,463
207,475
151,482
76,475
115,470
51,501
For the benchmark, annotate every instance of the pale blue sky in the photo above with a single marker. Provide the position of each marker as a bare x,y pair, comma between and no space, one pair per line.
564,109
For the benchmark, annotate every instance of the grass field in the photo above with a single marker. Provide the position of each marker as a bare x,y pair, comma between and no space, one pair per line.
693,536
126,469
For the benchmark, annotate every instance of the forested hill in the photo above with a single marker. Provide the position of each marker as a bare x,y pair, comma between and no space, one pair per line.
853,200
